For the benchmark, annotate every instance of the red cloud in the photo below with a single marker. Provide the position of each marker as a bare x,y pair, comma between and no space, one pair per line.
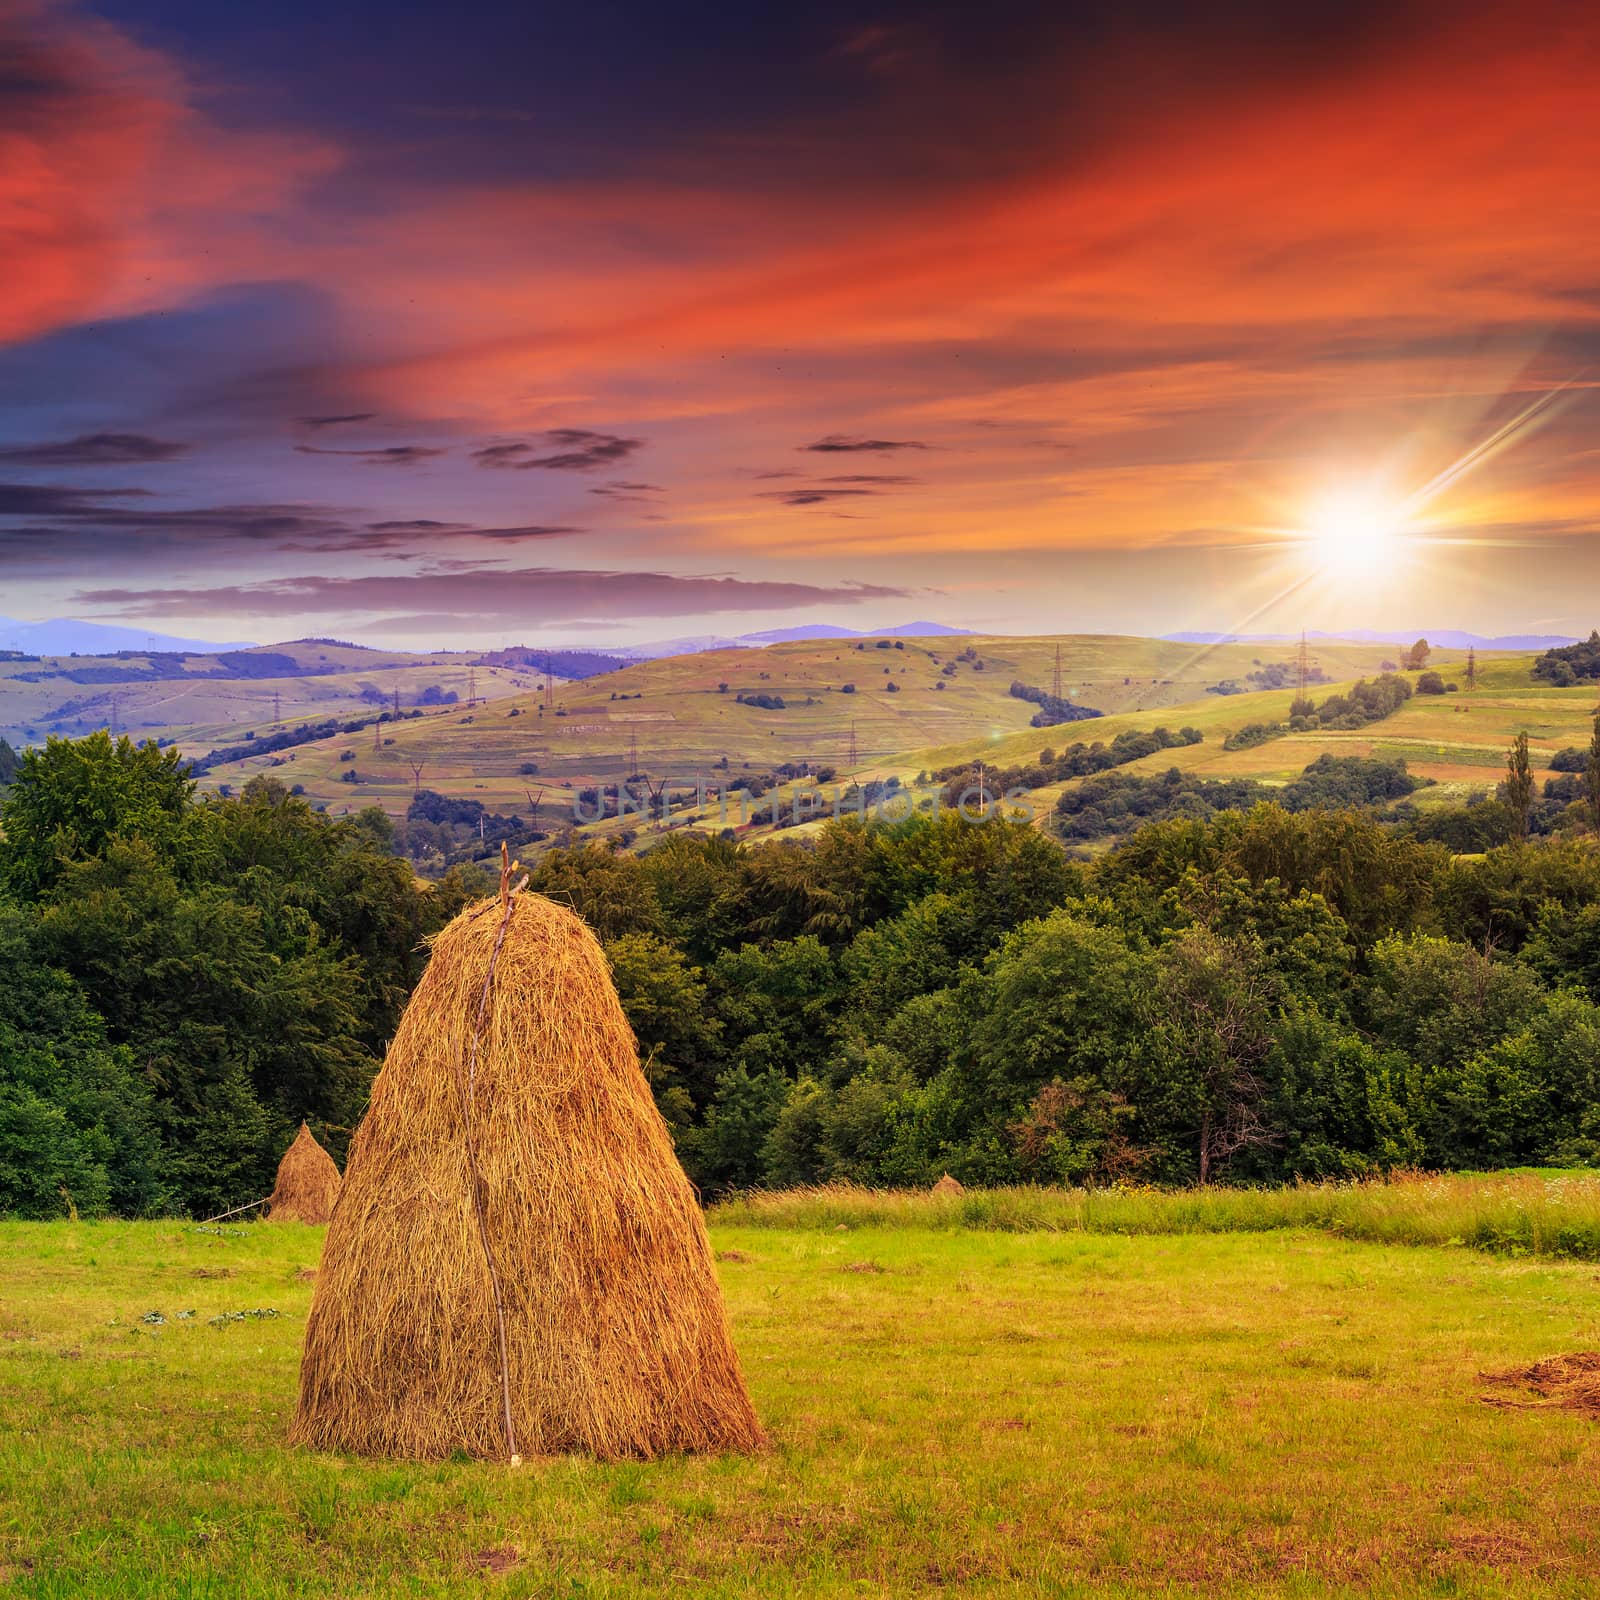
114,192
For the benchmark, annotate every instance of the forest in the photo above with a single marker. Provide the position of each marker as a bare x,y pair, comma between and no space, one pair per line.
1249,994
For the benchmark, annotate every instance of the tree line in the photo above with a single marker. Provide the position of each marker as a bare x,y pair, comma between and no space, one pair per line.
1252,995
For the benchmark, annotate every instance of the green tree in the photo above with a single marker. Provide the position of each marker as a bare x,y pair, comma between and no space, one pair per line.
77,1128
666,1002
608,888
1591,777
1517,790
1217,1021
72,798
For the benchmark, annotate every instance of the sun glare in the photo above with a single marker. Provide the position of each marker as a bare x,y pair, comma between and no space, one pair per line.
1353,534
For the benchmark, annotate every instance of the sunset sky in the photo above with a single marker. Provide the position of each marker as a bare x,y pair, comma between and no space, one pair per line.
476,324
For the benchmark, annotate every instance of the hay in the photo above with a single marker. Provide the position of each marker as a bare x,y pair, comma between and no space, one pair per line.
1569,1382
566,1301
949,1185
308,1182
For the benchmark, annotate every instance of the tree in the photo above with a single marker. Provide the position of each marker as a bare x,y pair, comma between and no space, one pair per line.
74,797
1517,790
1417,656
1217,1017
1591,778
77,1130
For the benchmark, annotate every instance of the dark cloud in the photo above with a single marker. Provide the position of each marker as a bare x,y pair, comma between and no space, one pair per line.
334,421
884,480
48,500
569,450
78,523
95,450
485,595
91,512
853,443
394,455
624,490
418,525
814,497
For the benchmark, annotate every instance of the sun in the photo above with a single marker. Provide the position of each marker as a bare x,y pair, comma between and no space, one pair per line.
1352,533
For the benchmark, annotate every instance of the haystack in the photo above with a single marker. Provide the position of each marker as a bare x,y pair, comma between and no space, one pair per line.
949,1185
308,1182
519,1264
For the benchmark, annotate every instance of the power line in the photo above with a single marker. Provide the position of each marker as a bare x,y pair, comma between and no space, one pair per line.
1055,681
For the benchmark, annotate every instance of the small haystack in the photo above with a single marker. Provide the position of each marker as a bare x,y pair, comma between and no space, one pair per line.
308,1182
1568,1382
949,1185
519,1263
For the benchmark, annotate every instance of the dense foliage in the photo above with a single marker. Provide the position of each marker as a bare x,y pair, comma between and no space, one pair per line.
1120,802
1053,709
185,979
1256,991
1570,664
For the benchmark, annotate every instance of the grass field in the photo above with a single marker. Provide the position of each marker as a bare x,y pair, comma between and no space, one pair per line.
202,711
673,713
1007,1409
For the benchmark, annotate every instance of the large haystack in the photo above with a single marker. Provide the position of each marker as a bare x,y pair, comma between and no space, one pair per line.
308,1182
949,1185
519,1263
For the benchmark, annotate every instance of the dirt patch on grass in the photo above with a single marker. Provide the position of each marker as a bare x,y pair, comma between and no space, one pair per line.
863,1266
212,1272
305,1274
497,1561
1568,1382
734,1255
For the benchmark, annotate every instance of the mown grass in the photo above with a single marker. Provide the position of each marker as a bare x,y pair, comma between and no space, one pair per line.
1552,1214
953,1410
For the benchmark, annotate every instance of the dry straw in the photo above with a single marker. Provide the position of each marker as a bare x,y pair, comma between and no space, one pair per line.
949,1185
518,1262
308,1182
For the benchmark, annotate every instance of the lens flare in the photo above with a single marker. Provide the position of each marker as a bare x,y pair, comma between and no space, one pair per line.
1352,533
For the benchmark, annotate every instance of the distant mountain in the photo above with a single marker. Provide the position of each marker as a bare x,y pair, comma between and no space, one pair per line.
695,645
826,630
65,636
1441,638
804,633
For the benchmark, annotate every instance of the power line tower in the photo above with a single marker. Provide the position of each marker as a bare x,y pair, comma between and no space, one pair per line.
854,759
112,730
277,706
549,684
633,751
1301,666
416,776
1055,677
1472,667
472,687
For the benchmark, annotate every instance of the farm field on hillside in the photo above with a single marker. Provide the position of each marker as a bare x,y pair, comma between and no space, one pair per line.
679,720
1459,740
974,1412
203,708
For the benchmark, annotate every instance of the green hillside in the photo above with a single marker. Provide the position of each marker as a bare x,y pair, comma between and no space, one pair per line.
682,716
203,701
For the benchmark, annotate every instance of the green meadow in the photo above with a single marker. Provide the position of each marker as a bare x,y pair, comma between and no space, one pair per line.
1017,1393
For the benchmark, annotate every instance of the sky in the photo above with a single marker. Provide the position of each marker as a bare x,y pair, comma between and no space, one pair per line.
479,324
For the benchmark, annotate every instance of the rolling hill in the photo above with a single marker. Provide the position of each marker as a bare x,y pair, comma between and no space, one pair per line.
685,716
